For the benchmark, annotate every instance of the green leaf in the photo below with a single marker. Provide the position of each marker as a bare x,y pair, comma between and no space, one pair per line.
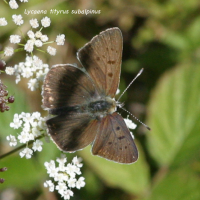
180,184
174,117
132,178
22,173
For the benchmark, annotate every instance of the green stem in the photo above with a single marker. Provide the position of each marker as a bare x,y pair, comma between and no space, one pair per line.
48,42
20,147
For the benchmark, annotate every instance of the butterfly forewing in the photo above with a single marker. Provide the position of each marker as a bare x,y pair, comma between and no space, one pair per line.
66,86
101,57
114,140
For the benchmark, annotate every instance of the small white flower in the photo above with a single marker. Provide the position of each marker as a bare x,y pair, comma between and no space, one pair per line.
80,183
28,118
40,75
23,137
16,123
36,132
8,51
61,187
67,194
37,62
19,68
130,124
31,34
36,115
22,115
31,137
33,84
29,46
13,4
38,43
18,19
10,70
49,184
72,182
26,152
34,23
26,127
46,22
38,34
62,167
3,21
15,39
77,161
27,73
49,165
51,168
44,38
12,139
60,39
51,51
42,124
61,177
70,169
37,145
18,78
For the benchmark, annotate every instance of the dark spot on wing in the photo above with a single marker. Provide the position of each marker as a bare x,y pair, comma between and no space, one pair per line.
121,137
110,74
120,148
112,49
107,48
97,58
118,128
109,142
125,147
111,62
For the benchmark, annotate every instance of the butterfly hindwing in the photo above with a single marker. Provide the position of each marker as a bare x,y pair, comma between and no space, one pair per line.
101,57
114,141
72,131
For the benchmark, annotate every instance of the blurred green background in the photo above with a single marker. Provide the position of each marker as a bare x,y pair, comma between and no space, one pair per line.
163,37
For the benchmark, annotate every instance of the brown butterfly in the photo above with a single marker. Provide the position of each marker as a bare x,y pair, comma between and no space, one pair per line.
82,100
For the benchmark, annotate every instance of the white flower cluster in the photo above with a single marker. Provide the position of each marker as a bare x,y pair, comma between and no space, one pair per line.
35,39
64,176
33,126
32,68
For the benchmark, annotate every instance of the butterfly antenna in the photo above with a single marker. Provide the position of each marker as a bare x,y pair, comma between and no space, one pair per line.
135,118
130,84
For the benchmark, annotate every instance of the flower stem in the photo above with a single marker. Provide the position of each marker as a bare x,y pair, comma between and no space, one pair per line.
20,147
